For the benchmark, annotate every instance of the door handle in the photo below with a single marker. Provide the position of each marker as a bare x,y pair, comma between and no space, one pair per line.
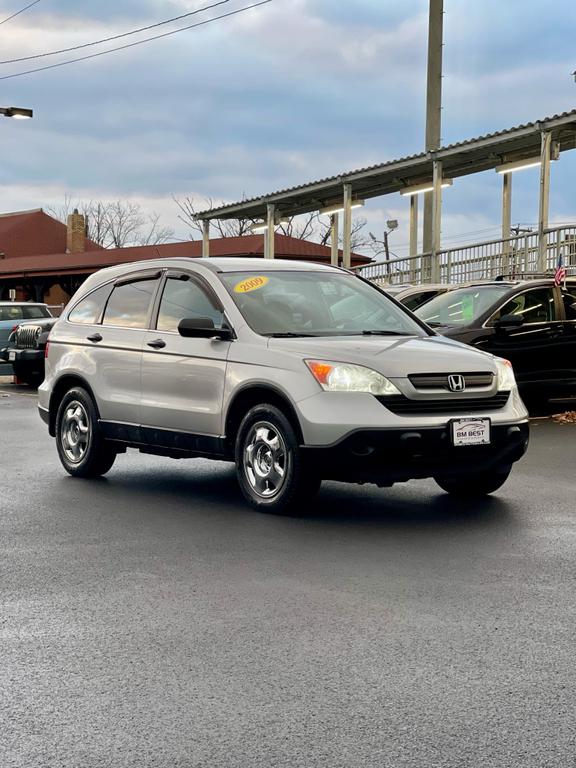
157,344
95,337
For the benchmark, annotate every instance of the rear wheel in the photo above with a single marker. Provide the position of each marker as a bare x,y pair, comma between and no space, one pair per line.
81,447
474,484
269,465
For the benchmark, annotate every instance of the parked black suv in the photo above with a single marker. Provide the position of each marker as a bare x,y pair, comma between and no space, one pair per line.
26,348
532,323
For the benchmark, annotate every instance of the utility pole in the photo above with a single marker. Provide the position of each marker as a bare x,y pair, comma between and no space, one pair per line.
433,103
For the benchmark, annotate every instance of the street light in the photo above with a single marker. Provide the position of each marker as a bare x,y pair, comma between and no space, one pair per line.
391,225
18,113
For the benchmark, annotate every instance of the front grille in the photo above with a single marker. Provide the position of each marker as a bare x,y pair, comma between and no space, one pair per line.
465,405
27,336
426,381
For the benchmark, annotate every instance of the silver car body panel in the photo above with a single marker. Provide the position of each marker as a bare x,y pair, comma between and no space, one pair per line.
191,383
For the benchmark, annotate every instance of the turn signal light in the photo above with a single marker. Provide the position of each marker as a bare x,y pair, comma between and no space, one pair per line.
320,370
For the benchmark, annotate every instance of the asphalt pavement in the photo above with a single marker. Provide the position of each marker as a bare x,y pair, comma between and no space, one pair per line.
152,620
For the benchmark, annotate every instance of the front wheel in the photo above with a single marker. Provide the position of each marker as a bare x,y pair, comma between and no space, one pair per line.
474,484
81,447
269,464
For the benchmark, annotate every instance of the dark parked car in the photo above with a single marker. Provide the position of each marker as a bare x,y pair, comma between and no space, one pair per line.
414,296
26,347
11,313
532,323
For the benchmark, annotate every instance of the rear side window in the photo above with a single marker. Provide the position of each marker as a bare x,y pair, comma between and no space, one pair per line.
129,304
185,299
34,312
89,309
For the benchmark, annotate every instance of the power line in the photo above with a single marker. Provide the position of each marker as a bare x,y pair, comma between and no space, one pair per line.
115,37
20,11
138,42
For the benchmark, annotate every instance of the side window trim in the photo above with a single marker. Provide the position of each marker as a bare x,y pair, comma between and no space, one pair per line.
489,322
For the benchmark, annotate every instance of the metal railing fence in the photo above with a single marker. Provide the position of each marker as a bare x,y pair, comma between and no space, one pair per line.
479,261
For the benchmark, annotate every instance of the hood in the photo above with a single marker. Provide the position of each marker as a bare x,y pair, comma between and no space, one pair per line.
393,357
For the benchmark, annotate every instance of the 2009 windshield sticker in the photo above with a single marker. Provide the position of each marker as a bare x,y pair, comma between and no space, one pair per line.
251,284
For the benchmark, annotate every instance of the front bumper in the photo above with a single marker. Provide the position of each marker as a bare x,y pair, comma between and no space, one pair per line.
388,456
33,357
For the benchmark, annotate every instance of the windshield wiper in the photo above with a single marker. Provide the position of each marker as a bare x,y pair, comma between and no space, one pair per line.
387,333
289,335
435,324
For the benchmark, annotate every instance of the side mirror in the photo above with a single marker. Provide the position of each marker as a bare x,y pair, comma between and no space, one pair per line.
509,321
203,328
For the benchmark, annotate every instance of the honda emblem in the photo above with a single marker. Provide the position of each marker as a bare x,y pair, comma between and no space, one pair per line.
456,382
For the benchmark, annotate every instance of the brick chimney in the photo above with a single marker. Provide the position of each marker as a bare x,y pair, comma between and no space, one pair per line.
76,234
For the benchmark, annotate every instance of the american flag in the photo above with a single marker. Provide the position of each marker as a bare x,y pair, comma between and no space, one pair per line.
560,274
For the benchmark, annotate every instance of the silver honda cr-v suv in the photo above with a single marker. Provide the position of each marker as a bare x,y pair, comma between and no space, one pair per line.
296,372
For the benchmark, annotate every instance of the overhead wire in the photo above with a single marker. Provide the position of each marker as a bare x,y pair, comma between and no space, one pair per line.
138,42
13,16
115,37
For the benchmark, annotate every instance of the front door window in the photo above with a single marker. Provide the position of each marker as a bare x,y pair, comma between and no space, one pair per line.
185,299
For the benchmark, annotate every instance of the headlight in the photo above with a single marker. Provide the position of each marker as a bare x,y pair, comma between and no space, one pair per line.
506,378
346,377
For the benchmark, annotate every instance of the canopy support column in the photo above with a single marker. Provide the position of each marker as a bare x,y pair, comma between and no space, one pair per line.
413,235
270,230
206,238
334,228
434,275
506,220
347,233
544,206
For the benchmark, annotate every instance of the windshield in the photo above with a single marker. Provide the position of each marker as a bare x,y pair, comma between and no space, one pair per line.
315,304
462,306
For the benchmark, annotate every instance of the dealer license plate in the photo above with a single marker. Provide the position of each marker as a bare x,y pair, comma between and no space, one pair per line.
12,354
470,431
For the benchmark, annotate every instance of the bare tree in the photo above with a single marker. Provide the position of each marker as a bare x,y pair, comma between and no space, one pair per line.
224,227
358,238
310,226
117,224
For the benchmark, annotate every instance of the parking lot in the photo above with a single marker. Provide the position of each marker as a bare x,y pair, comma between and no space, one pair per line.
152,619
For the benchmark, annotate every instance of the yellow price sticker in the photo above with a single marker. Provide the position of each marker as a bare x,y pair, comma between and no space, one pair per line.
251,284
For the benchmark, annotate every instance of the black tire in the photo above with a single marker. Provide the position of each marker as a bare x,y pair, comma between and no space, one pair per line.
26,376
82,453
474,485
256,454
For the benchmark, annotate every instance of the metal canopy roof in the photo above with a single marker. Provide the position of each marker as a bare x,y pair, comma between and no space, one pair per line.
461,159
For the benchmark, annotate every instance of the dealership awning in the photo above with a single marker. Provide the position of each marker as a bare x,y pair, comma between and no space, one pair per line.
541,140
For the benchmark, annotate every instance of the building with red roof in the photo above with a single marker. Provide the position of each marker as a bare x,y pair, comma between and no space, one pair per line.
45,260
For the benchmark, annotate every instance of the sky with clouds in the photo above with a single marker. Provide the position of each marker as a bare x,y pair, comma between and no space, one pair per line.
289,92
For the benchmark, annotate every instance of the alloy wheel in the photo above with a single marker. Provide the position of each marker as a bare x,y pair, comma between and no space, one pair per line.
265,460
75,432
